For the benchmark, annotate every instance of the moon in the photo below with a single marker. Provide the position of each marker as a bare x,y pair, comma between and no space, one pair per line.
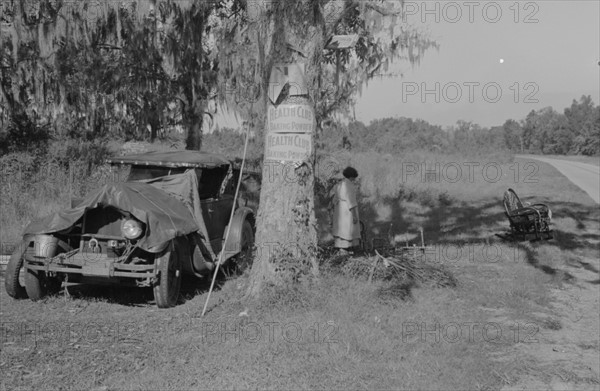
501,61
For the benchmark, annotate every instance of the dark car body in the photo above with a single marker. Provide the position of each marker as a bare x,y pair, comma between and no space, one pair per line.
169,217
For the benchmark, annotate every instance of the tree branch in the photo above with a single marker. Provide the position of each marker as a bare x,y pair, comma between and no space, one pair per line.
385,12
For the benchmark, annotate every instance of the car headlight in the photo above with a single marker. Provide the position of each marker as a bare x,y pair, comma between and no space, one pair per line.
132,229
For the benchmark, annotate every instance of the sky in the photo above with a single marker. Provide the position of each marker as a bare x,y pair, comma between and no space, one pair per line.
497,60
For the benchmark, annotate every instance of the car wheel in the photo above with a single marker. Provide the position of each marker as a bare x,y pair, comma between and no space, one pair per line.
244,259
168,284
38,285
15,273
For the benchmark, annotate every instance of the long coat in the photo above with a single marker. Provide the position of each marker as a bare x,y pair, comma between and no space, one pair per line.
344,199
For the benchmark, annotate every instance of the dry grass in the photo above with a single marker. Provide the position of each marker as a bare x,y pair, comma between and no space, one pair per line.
27,199
340,332
402,269
33,189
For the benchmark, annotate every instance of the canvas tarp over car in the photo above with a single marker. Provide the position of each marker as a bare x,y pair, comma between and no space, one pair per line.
184,187
168,206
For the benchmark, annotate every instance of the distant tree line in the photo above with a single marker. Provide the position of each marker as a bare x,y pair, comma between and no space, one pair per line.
393,135
545,131
576,131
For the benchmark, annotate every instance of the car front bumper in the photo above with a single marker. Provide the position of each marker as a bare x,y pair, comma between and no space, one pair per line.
90,265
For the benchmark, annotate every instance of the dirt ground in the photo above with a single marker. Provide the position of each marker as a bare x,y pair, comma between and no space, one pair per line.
570,356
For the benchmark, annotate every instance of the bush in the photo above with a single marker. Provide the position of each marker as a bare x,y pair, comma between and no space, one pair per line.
24,135
17,167
89,153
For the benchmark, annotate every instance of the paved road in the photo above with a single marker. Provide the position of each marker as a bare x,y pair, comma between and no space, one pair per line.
586,176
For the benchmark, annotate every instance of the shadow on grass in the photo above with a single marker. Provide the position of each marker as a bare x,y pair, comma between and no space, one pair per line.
140,297
114,294
589,267
401,290
532,259
461,224
474,220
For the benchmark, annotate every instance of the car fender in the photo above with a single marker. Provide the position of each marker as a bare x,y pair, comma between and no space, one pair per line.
233,245
195,263
26,240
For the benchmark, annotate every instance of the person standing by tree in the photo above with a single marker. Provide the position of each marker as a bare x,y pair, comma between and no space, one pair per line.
346,226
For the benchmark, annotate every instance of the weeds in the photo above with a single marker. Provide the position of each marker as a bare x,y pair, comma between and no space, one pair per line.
551,324
341,331
34,186
295,298
394,291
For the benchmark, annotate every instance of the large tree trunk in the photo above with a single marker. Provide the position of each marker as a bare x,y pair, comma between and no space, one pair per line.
196,109
194,129
286,236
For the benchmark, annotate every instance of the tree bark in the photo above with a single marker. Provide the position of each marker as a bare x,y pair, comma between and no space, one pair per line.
286,236
194,129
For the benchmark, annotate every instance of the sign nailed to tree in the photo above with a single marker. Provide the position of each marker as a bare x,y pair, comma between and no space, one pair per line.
290,132
288,147
291,75
292,118
290,125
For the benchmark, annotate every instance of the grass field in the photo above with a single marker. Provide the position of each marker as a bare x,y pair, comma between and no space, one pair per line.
522,315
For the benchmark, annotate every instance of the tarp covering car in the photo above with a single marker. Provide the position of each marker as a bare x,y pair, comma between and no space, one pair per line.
169,207
185,187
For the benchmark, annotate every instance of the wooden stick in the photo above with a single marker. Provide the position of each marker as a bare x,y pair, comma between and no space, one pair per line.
212,284
373,269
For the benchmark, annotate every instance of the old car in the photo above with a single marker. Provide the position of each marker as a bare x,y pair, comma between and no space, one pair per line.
168,218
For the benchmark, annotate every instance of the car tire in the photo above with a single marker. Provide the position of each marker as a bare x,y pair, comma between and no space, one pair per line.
170,272
38,285
15,273
244,259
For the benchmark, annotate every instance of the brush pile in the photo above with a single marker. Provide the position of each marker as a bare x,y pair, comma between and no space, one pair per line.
399,266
